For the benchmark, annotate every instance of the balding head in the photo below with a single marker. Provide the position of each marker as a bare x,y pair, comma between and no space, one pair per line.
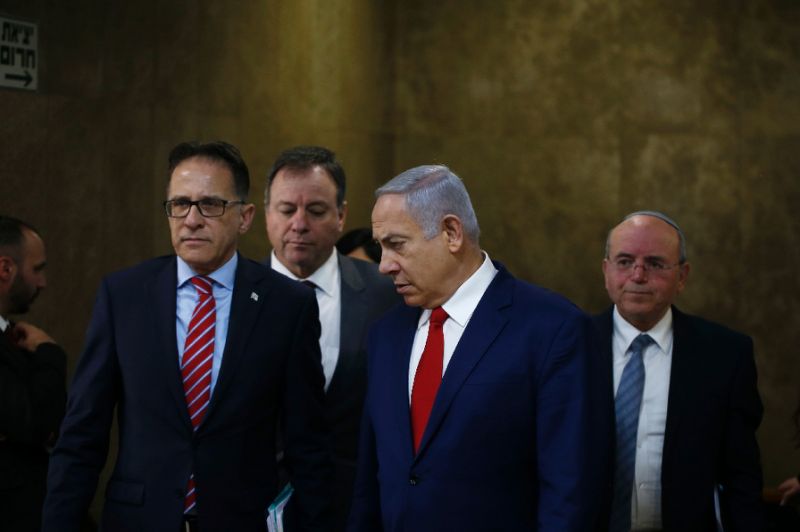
644,268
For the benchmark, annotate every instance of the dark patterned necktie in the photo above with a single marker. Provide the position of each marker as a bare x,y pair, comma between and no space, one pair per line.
627,405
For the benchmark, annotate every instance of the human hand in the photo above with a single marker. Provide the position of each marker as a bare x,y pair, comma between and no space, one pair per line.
788,489
29,337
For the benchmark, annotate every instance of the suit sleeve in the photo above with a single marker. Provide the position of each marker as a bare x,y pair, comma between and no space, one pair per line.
365,514
307,446
572,423
741,480
82,447
32,393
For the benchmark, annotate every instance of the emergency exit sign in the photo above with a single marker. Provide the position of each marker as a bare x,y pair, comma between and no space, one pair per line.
19,55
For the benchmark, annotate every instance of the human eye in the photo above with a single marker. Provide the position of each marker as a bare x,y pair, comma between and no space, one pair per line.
317,210
180,203
212,202
656,265
623,263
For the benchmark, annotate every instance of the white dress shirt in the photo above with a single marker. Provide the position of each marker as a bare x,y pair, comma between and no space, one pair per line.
4,323
329,299
657,357
459,309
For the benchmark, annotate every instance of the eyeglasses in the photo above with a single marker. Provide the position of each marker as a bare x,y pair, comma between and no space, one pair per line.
208,207
628,265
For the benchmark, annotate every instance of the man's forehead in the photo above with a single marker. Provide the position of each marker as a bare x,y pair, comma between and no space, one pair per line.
198,175
644,235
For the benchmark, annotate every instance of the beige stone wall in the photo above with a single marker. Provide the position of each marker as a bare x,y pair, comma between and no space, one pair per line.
560,116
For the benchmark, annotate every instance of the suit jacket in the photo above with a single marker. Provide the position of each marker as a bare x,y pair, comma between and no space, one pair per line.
710,435
270,371
32,398
365,296
509,442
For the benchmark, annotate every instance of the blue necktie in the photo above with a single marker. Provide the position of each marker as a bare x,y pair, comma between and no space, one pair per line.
626,406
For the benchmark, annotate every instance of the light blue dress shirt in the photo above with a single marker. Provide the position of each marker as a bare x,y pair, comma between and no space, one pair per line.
187,300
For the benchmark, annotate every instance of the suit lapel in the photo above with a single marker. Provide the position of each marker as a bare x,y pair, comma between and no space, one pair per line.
162,294
353,308
681,399
604,329
484,326
398,357
245,309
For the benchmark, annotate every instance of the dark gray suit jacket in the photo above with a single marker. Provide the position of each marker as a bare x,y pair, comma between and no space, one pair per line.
710,435
366,296
32,399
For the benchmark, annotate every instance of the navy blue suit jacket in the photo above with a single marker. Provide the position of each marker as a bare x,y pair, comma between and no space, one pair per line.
710,434
515,440
270,373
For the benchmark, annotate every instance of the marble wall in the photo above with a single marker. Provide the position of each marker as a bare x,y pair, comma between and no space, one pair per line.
560,116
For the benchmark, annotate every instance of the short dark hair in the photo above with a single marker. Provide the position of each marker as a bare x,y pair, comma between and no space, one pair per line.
217,151
12,237
303,158
356,238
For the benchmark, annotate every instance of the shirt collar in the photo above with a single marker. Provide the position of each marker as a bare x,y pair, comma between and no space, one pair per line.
4,323
660,332
325,277
463,302
223,276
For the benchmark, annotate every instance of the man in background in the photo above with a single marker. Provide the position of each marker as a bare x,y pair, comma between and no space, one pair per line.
32,380
305,213
687,406
200,354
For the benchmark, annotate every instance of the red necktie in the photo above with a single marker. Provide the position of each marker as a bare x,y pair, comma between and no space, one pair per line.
198,353
428,376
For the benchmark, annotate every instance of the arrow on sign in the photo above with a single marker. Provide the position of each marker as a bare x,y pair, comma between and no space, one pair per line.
27,78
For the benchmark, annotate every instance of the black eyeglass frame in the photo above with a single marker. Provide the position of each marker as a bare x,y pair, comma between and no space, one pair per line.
210,203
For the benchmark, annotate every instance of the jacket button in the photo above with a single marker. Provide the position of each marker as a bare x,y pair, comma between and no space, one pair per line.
413,480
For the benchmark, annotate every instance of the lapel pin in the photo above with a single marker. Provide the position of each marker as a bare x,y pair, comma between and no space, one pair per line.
253,296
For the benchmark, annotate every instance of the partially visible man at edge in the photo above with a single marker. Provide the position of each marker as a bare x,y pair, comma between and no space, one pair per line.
201,354
32,380
687,405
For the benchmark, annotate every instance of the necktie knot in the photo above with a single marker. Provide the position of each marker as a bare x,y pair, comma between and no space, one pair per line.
202,284
310,284
438,316
640,343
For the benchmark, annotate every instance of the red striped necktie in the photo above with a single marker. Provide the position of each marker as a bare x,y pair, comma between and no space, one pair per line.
428,376
198,353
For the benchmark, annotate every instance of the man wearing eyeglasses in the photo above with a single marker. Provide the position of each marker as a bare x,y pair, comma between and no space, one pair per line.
201,354
687,406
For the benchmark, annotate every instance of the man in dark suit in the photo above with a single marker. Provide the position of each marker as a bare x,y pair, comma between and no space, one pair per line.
480,413
687,406
305,213
32,380
200,354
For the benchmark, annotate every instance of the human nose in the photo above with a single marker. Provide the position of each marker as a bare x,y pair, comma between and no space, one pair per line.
387,265
193,218
299,222
639,272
